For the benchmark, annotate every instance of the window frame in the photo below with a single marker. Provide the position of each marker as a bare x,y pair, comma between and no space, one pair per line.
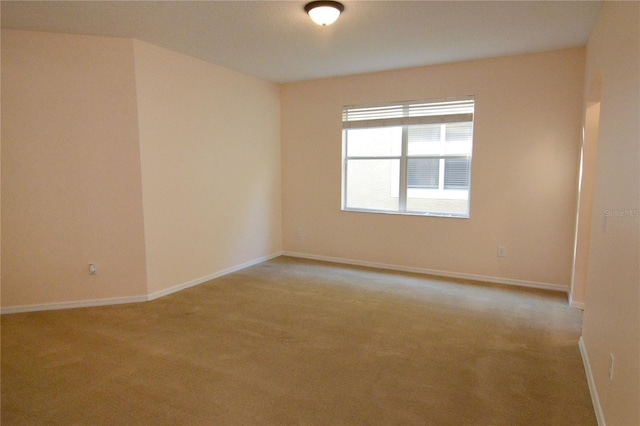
405,120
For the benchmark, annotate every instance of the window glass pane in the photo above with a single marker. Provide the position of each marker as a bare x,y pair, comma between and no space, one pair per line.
456,174
374,142
431,201
373,184
458,132
423,173
424,139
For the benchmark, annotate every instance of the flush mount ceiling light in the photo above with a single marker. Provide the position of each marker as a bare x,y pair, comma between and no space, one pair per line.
324,12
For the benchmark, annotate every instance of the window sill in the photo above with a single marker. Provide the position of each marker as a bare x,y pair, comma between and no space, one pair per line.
397,213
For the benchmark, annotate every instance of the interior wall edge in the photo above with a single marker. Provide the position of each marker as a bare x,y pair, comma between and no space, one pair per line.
592,384
434,272
90,303
578,305
201,280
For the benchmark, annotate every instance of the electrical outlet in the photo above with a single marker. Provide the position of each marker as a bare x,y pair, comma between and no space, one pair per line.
298,233
502,252
92,269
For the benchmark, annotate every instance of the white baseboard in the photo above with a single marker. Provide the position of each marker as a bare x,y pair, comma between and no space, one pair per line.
72,305
577,305
179,287
592,384
174,289
132,299
424,271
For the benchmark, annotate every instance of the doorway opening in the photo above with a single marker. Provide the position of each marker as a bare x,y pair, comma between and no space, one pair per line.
586,182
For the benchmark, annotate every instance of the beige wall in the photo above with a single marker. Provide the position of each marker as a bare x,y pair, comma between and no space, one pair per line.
160,169
71,185
612,315
0,173
210,147
524,172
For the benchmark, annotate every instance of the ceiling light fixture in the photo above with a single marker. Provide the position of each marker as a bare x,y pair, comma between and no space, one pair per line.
324,12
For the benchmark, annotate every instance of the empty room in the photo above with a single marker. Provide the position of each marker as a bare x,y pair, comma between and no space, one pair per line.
320,213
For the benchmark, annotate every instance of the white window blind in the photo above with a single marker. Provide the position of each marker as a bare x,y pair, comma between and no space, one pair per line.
405,113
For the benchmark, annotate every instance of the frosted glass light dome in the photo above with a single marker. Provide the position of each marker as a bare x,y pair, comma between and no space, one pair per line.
324,12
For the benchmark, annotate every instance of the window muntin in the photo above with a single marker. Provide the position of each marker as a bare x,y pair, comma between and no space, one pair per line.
399,161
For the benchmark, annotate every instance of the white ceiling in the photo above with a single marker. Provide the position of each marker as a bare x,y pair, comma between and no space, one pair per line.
276,40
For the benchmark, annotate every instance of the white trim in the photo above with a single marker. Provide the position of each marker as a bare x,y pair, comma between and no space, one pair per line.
577,305
133,299
404,121
459,275
592,384
72,305
179,287
174,289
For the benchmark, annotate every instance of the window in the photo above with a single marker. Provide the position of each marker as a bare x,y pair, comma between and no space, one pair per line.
408,157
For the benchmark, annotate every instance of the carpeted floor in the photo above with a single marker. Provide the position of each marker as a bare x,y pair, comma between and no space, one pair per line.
293,341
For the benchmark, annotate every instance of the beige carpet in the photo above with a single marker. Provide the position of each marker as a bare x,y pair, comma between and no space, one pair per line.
302,342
